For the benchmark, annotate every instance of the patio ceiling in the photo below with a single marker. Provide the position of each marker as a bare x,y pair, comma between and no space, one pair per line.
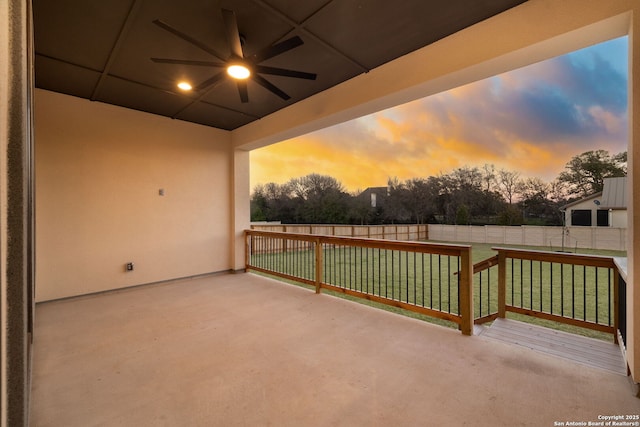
102,50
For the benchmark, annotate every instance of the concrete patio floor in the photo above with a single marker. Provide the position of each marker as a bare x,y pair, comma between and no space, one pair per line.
244,350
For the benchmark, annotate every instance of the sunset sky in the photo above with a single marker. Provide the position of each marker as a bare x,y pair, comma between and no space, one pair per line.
532,120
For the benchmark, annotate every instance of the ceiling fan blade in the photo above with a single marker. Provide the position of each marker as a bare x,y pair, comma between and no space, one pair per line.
244,93
233,34
276,49
210,82
187,38
187,62
269,86
284,72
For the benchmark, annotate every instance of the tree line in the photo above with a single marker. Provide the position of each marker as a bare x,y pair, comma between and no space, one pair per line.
466,195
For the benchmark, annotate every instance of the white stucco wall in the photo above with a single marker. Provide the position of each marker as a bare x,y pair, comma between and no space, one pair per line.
99,171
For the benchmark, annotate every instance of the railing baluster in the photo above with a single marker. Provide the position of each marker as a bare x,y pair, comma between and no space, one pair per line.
521,283
361,271
513,301
531,284
415,278
584,292
610,308
379,272
422,259
367,271
562,289
449,284
393,275
597,296
480,293
406,266
318,264
386,273
440,282
540,264
551,286
431,280
573,285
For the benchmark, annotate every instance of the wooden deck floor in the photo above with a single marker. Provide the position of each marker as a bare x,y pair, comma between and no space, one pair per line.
588,351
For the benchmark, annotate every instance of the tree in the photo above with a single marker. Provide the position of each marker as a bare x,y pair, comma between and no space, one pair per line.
488,176
584,174
259,205
462,215
510,216
395,209
508,182
273,202
360,209
537,202
420,197
323,199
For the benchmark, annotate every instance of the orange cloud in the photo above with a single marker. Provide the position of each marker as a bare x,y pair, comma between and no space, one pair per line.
532,121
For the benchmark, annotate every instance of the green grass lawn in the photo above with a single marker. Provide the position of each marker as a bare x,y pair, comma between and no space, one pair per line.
427,281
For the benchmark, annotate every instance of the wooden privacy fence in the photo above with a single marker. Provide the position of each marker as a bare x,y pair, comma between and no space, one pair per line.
531,235
579,290
420,277
411,232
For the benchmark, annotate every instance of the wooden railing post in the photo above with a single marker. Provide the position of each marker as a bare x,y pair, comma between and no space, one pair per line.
318,272
466,292
247,252
616,296
502,284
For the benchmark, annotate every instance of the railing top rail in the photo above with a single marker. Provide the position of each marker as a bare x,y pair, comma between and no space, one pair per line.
284,235
621,265
421,247
558,257
253,226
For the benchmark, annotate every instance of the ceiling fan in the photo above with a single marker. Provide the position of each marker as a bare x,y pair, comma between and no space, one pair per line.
237,65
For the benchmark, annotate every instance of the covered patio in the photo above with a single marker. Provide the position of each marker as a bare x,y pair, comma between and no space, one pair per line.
89,187
241,349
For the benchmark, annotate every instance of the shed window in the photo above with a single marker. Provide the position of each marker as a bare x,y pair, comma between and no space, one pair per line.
581,217
603,218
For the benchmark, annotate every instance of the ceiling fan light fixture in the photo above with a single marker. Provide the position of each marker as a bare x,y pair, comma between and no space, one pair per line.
238,71
184,86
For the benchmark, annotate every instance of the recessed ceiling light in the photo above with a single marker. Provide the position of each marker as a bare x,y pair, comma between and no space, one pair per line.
238,71
184,86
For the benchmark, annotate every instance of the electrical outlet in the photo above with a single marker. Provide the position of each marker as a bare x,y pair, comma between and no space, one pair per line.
129,266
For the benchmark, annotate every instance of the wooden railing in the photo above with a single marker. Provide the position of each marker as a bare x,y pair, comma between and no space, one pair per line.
438,280
575,289
415,276
485,278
